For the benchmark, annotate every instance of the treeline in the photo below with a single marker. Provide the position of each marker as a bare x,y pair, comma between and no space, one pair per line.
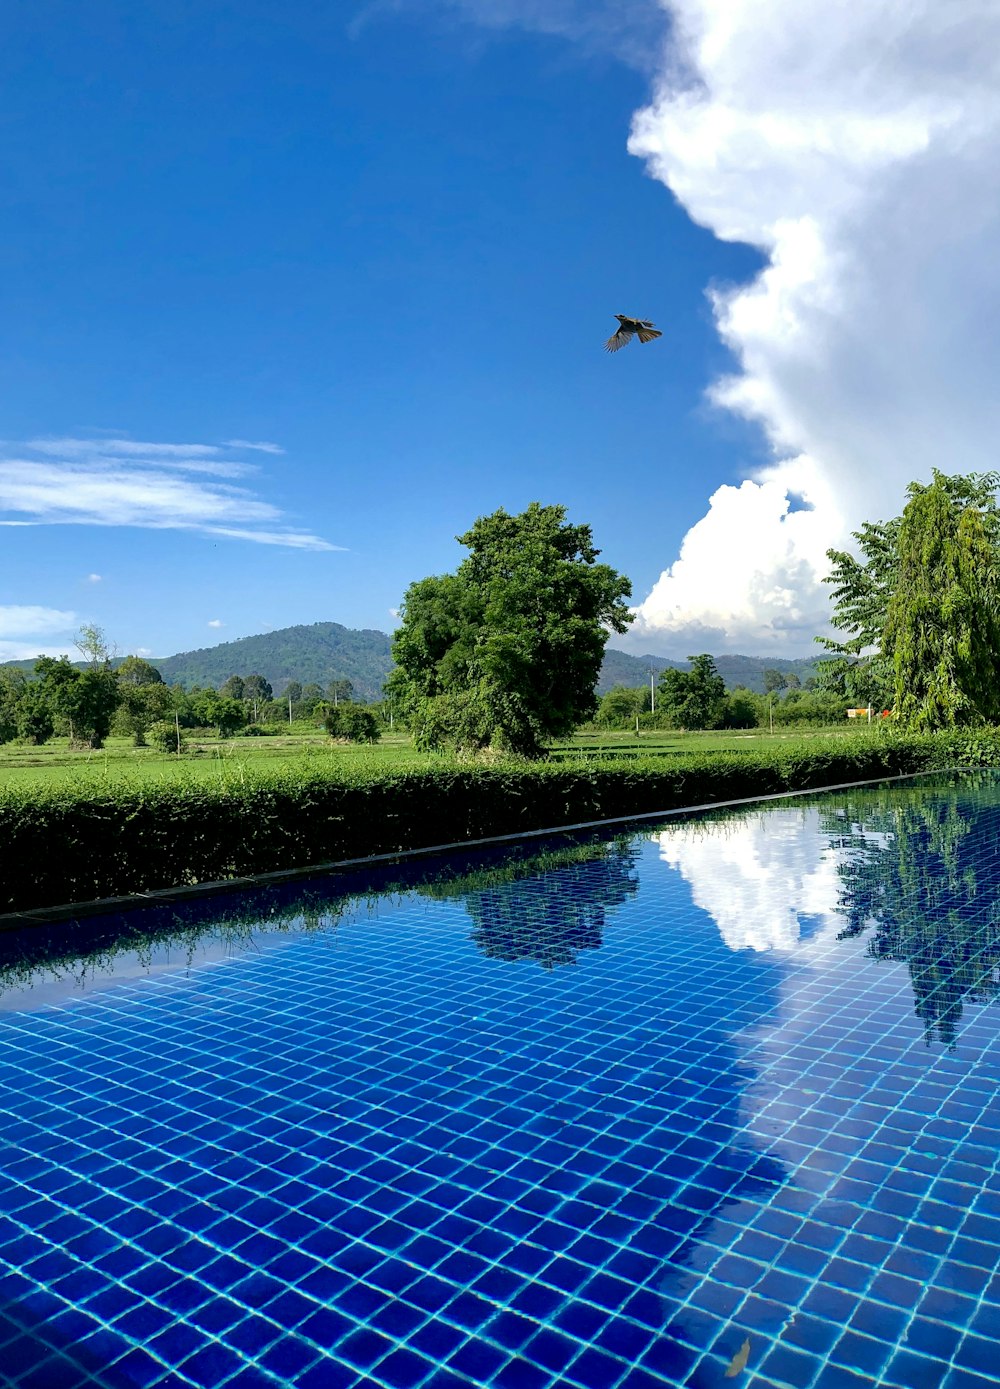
88,703
697,699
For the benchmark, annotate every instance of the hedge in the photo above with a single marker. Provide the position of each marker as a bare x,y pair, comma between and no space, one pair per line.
73,845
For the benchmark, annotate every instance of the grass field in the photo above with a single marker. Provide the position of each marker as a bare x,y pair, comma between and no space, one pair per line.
225,760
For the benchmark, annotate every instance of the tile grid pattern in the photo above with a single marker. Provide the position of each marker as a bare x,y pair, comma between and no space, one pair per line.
380,1158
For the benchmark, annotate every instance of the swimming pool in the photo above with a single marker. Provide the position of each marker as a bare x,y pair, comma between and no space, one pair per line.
627,1109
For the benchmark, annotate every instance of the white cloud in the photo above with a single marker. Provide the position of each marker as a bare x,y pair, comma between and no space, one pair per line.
95,578
857,146
262,447
216,622
27,630
632,30
758,877
122,482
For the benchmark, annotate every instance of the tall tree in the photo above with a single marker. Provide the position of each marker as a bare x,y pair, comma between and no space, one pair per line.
919,608
340,691
943,620
505,653
232,688
693,698
256,693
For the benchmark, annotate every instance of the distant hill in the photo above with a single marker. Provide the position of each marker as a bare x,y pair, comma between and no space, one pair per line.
323,651
620,668
317,653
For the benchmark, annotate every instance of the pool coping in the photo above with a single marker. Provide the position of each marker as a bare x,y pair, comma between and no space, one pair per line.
100,906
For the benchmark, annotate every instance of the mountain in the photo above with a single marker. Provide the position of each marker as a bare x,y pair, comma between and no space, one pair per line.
313,654
325,651
620,668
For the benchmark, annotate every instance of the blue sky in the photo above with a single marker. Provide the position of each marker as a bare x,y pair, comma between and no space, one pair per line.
392,249
385,239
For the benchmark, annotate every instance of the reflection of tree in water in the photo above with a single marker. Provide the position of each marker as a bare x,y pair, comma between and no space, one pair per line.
915,869
549,908
518,913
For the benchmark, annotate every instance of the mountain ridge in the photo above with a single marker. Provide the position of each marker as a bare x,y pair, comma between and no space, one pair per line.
318,652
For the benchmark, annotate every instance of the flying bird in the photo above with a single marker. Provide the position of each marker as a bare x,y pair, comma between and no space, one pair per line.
628,330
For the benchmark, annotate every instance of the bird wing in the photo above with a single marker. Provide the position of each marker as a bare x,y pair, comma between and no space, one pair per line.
647,334
619,339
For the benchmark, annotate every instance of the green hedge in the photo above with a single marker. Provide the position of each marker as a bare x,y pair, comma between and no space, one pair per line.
65,845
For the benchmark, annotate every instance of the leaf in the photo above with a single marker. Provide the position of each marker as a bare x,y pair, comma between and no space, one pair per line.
739,1361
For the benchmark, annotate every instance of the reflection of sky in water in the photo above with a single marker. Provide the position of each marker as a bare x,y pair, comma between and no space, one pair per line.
591,1120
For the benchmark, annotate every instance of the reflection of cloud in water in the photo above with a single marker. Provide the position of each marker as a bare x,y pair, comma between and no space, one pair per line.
767,881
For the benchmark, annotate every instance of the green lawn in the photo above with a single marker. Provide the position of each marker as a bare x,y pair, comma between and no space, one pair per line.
224,760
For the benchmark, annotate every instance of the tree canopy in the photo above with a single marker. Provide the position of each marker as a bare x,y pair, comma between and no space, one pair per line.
920,608
505,652
693,698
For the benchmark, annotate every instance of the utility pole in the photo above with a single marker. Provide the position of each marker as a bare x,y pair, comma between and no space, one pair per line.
770,712
177,730
289,711
652,693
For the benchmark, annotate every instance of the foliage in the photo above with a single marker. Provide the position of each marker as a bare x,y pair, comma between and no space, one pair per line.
942,625
123,837
135,671
340,691
693,698
911,880
620,707
919,608
164,735
354,722
314,653
87,699
505,653
225,713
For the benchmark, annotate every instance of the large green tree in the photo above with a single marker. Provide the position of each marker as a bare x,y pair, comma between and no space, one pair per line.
693,698
920,608
505,653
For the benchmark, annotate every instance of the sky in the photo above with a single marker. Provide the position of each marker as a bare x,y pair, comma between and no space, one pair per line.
292,294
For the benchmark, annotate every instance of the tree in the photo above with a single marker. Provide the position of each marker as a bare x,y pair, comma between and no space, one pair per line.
505,653
135,671
87,699
773,680
292,691
143,698
232,688
212,707
921,607
311,696
256,692
339,690
943,620
619,707
693,698
354,722
34,715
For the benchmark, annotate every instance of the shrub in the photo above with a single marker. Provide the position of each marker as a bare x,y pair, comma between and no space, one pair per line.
353,722
124,839
163,735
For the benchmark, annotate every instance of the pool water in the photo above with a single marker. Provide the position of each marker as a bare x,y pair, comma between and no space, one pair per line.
713,1101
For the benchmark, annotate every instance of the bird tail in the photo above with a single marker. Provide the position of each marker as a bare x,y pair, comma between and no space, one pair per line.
648,334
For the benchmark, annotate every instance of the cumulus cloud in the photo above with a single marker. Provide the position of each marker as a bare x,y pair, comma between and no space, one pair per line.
216,622
124,482
761,878
858,147
27,630
95,578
